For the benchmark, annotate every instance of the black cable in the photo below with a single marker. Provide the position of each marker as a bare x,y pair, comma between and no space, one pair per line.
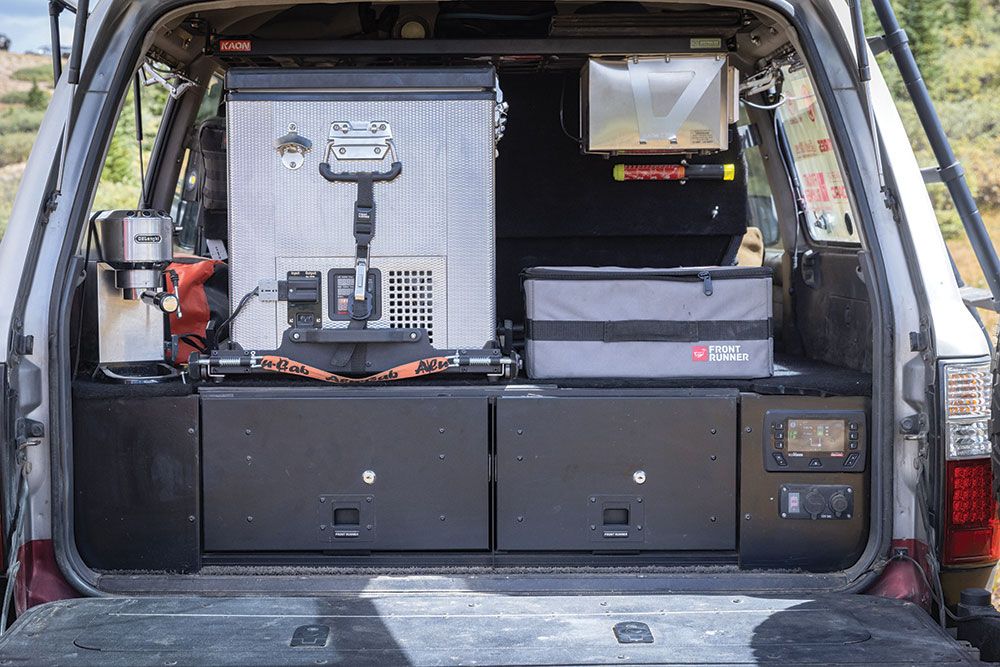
785,155
562,105
243,302
137,99
197,342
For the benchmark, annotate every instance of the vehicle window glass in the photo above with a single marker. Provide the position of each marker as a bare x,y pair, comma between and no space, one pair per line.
185,207
210,103
828,214
763,214
184,210
120,185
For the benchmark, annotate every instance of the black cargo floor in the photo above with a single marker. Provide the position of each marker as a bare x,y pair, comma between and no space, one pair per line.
482,629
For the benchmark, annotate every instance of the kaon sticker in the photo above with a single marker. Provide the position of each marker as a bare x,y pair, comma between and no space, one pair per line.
234,45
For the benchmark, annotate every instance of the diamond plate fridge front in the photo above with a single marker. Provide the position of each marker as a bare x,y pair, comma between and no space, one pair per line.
433,247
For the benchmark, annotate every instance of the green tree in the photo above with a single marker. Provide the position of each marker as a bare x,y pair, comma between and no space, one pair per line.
121,164
922,20
36,99
965,11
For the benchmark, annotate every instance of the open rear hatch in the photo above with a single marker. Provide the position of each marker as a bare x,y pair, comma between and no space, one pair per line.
481,629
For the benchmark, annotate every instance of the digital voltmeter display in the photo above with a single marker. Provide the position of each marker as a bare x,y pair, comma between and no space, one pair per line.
815,440
815,435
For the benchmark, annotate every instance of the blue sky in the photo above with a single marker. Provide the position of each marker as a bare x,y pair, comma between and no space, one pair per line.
26,22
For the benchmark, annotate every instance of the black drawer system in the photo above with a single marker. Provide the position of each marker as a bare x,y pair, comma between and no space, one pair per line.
593,473
354,471
358,473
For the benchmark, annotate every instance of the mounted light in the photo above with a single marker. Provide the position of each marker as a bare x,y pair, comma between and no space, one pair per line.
967,399
971,529
971,533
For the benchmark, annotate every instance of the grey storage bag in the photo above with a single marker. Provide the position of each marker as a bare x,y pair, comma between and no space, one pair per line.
610,322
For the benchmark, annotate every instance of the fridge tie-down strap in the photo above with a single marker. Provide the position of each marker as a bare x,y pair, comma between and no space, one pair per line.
413,369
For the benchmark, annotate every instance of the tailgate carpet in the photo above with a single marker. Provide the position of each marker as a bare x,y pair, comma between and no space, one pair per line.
480,629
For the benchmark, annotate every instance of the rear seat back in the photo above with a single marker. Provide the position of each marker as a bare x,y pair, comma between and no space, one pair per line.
213,198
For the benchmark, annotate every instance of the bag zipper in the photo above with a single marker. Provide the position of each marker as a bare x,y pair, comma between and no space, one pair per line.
707,278
689,275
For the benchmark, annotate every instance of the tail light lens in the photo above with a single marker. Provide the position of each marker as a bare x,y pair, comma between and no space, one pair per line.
967,398
971,530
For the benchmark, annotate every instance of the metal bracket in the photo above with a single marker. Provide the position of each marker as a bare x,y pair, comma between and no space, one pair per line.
952,172
915,424
300,335
23,345
359,140
918,341
978,297
499,114
877,44
765,79
810,268
150,76
891,203
26,429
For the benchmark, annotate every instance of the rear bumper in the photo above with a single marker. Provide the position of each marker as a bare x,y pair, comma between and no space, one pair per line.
481,628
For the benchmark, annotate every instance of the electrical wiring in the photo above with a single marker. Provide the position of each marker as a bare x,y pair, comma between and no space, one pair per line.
243,302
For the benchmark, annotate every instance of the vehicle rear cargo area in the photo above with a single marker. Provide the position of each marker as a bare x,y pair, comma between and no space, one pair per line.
495,298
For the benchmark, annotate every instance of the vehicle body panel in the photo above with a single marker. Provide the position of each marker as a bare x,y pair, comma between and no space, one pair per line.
485,629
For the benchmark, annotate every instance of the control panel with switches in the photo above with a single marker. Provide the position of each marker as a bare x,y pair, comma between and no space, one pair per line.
809,506
816,501
814,441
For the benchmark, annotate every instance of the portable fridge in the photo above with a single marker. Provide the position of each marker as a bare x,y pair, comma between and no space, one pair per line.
432,255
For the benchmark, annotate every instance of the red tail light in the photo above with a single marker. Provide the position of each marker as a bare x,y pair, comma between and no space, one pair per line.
972,531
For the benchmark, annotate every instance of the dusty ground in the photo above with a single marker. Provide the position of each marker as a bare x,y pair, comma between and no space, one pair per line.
11,62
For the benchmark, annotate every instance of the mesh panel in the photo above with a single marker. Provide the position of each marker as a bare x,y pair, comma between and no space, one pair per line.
411,300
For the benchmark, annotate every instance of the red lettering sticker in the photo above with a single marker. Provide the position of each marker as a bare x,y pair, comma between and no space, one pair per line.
699,353
234,45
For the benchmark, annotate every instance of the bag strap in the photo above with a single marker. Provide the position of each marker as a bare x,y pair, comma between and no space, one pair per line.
661,331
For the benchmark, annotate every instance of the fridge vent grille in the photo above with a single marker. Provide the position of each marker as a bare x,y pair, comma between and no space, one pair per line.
411,300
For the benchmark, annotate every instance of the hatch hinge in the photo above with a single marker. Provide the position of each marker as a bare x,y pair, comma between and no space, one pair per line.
51,204
23,345
918,340
913,425
26,429
891,203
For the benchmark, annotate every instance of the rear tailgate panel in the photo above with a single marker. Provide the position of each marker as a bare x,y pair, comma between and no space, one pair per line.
487,628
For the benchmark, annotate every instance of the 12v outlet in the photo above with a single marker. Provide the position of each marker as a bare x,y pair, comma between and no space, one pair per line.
816,501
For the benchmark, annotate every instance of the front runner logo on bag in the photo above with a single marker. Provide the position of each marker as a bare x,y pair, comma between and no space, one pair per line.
718,353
